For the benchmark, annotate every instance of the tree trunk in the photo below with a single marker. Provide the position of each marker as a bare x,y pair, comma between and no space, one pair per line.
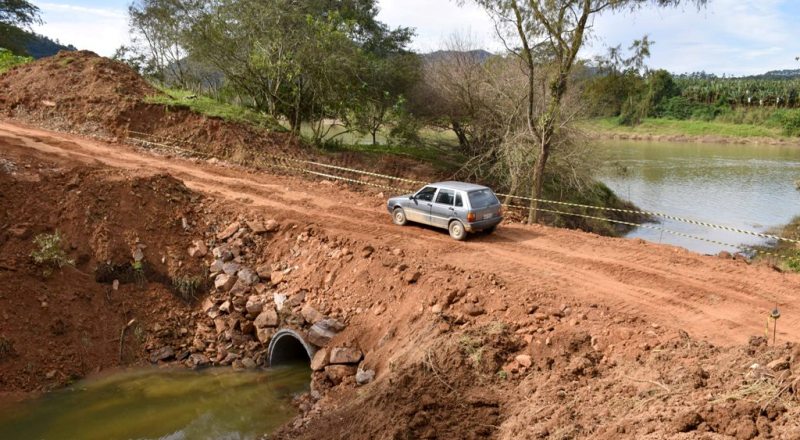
512,189
374,140
538,181
463,142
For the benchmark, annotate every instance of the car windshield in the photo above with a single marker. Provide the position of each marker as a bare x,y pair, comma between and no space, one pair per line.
482,198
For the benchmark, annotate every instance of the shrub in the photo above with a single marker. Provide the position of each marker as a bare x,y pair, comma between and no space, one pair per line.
187,287
676,107
48,253
6,348
9,60
790,122
705,112
405,132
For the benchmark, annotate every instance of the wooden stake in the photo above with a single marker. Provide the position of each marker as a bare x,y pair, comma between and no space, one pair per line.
122,337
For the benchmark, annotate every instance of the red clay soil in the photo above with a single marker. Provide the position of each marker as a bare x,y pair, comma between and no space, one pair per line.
532,332
57,327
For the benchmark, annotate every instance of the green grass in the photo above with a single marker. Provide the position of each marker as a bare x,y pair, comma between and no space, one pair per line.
213,108
440,157
438,147
652,126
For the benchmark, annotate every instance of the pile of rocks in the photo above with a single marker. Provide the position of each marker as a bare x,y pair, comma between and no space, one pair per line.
248,303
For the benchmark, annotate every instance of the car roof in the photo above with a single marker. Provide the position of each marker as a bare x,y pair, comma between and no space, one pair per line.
461,186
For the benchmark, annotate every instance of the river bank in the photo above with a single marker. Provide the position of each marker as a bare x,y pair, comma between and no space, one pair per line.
788,251
689,131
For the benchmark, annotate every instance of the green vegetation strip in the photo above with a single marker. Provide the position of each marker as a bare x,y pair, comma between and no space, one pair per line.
211,107
674,127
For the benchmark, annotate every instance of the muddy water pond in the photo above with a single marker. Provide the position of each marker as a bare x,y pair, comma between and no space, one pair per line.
161,404
748,187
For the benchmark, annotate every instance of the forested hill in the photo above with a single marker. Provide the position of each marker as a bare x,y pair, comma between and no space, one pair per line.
786,73
478,55
39,46
23,42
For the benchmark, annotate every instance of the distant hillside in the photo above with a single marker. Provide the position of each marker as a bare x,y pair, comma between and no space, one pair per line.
23,42
480,55
39,46
786,73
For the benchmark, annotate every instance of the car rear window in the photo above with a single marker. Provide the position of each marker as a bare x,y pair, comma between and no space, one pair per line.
482,198
426,194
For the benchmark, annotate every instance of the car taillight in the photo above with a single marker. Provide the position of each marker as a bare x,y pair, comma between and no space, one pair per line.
471,217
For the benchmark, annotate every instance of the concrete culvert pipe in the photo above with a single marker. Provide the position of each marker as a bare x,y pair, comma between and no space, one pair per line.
287,347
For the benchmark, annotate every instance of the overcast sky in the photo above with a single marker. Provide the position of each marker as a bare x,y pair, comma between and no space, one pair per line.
728,37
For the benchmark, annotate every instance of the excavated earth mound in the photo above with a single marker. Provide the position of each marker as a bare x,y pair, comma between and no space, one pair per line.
72,90
86,93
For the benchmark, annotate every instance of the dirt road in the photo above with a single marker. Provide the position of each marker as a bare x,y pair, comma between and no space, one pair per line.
722,300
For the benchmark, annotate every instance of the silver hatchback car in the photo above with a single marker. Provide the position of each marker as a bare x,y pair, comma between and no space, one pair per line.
456,206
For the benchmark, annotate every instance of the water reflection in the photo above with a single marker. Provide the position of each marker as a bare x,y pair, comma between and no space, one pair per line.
161,404
742,186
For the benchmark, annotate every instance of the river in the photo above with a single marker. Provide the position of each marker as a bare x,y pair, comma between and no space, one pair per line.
167,404
748,187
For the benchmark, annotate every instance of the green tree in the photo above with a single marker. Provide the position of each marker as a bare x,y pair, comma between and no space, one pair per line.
386,82
286,60
547,35
618,80
15,16
317,61
158,28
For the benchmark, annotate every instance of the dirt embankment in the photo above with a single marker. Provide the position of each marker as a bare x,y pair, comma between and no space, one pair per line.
57,327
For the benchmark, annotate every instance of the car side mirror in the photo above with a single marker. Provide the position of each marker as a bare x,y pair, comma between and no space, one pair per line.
411,197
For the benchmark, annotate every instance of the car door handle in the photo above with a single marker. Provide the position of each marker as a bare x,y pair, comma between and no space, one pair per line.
430,204
452,209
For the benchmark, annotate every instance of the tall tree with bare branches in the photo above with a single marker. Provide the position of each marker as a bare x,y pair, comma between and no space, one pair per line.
547,35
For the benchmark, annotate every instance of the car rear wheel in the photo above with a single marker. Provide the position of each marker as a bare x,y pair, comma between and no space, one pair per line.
399,217
457,230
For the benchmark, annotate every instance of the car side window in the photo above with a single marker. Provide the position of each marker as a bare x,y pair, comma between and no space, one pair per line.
445,197
426,194
459,202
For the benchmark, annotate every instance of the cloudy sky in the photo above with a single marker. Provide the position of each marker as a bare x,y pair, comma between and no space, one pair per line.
728,37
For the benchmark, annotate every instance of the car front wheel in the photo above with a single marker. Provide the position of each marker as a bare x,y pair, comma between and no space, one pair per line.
399,217
457,230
